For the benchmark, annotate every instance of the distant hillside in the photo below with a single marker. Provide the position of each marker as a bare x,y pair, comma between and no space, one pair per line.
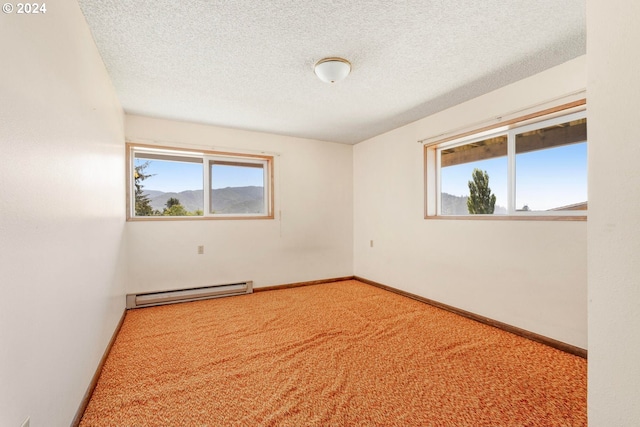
153,193
250,200
457,205
191,199
454,205
238,200
225,200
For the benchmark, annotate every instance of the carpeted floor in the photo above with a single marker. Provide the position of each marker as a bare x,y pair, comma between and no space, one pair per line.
339,354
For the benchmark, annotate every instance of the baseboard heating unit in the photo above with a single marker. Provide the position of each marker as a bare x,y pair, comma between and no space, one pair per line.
149,299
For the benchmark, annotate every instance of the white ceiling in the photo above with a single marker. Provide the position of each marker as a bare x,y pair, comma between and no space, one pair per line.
248,64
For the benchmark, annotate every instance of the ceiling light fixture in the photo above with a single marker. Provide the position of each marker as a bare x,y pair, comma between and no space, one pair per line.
331,70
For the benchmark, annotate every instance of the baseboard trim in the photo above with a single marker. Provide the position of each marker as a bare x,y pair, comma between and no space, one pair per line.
96,375
559,345
299,284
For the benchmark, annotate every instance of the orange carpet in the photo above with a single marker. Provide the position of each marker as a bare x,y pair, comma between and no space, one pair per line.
339,354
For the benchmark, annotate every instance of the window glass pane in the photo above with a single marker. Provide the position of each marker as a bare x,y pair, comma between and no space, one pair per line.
167,187
551,168
458,173
237,188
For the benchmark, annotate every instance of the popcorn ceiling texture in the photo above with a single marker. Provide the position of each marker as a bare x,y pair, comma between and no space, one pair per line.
339,354
249,64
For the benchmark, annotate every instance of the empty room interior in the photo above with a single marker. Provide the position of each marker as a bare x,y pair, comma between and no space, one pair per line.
354,178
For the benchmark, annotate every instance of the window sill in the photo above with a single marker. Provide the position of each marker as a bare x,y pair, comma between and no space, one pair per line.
196,218
509,217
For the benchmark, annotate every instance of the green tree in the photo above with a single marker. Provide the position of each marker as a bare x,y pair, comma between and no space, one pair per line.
142,202
480,200
172,202
174,208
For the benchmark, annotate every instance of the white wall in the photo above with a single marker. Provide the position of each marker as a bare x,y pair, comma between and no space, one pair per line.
530,274
614,212
311,237
61,214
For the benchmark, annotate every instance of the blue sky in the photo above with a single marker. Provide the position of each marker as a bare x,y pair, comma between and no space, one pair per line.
170,176
236,176
545,179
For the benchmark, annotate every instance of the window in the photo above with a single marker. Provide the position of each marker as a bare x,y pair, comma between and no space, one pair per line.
534,169
551,166
457,165
166,183
238,187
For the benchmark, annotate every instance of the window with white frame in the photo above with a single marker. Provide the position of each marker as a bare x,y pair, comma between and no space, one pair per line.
167,183
535,169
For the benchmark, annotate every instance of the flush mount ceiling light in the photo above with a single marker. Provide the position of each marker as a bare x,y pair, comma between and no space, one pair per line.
331,70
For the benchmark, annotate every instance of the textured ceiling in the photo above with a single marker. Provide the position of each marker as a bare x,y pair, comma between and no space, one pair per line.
248,64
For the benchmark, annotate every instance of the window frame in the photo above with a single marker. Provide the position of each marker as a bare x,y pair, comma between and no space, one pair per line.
207,156
432,168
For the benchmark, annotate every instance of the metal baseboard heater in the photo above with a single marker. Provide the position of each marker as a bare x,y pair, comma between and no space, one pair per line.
150,299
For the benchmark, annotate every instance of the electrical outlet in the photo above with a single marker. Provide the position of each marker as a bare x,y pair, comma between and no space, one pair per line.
200,249
26,423
371,243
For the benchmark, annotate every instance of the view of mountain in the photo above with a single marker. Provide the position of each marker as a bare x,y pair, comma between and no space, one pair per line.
454,205
191,199
238,200
250,200
457,205
225,200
